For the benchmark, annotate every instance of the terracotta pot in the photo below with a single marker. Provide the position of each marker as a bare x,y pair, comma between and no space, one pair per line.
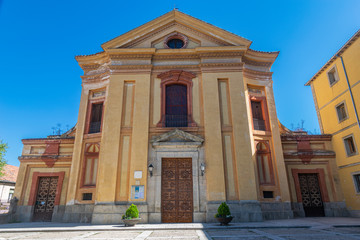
131,222
224,220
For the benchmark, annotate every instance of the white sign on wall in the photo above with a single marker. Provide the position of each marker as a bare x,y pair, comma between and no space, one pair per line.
137,174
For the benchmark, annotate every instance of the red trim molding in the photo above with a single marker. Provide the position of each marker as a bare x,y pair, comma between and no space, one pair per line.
176,77
321,175
51,154
35,182
176,36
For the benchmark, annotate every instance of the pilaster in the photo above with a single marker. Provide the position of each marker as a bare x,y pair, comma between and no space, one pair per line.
278,152
213,143
76,159
242,146
110,142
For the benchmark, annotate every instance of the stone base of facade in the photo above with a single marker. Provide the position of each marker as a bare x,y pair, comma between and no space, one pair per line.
243,211
331,209
24,213
80,213
276,210
112,214
336,209
354,213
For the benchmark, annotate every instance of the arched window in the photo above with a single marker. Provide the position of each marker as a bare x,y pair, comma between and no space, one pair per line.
176,99
176,112
264,164
91,163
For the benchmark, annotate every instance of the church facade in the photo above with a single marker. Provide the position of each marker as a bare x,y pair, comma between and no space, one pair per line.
177,116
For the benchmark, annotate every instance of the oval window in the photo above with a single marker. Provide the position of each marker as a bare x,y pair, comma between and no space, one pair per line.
175,43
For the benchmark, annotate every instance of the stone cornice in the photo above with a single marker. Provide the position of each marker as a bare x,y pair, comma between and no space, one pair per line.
221,67
30,141
257,75
293,137
97,77
179,26
310,154
131,68
181,18
257,63
130,56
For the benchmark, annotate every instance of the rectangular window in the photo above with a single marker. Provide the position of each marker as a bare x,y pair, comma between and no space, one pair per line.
341,112
332,76
257,114
350,146
95,117
87,196
11,194
268,194
357,182
90,171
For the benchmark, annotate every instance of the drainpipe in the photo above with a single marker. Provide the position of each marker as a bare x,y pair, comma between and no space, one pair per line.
351,95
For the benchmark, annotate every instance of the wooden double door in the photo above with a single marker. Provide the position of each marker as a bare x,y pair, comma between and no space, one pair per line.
176,190
311,195
45,199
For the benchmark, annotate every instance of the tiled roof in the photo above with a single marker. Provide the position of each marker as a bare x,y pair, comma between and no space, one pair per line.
10,173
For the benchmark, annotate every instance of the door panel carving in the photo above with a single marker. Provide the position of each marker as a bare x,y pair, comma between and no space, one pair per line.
45,198
176,190
311,195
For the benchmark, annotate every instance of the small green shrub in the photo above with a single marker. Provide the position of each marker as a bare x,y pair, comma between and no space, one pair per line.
223,210
131,212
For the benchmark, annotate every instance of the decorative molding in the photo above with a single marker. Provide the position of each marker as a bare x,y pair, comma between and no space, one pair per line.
177,57
176,77
221,54
180,26
257,63
321,178
176,134
176,35
91,66
96,78
257,75
119,67
114,56
35,182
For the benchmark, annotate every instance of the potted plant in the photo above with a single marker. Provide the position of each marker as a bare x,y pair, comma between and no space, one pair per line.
131,216
223,215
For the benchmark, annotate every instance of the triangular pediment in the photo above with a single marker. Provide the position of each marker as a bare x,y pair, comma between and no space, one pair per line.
199,33
177,135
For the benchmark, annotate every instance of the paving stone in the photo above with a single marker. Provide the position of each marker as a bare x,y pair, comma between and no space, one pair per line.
351,230
115,235
290,231
318,237
241,238
174,233
225,233
54,235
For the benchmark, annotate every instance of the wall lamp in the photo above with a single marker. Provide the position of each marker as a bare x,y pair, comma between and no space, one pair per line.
151,169
202,168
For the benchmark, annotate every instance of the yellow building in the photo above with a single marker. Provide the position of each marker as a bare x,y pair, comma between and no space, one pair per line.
336,92
175,116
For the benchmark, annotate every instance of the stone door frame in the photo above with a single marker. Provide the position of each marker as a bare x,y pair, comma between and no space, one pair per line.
176,149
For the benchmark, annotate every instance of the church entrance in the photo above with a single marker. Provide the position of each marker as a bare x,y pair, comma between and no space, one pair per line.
176,190
311,195
45,199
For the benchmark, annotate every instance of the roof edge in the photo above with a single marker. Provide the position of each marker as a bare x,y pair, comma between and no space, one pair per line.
335,56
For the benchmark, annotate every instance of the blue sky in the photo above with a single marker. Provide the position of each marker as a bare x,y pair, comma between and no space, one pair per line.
40,79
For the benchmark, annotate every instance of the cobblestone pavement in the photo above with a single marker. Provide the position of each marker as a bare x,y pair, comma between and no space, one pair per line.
333,233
